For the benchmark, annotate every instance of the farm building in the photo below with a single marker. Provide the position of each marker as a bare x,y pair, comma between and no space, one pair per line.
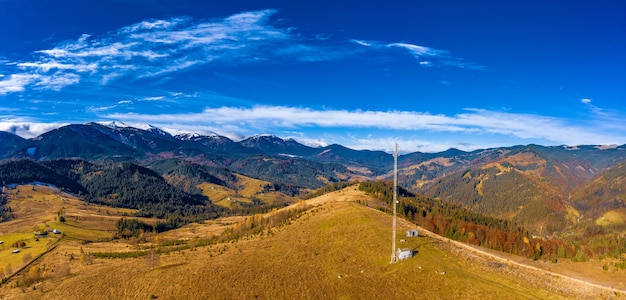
404,253
412,232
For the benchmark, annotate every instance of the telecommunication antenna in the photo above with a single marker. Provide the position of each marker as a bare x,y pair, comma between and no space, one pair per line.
394,203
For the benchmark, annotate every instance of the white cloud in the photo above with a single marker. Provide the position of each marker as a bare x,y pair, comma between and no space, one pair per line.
100,108
26,128
377,130
362,43
436,57
57,80
47,66
585,100
473,122
419,51
153,98
17,83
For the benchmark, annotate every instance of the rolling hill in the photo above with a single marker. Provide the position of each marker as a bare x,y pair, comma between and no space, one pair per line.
337,249
531,185
545,188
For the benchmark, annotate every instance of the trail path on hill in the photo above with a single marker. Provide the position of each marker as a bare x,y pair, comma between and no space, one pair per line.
574,283
565,282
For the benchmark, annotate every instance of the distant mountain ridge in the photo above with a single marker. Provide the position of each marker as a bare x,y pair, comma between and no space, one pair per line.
540,186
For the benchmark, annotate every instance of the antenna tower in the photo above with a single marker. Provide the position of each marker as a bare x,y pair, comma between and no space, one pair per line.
394,203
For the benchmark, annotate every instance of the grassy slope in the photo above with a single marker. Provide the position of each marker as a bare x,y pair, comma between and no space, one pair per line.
37,209
246,189
338,250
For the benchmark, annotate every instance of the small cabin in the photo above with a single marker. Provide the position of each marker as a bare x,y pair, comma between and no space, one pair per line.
404,253
56,231
411,233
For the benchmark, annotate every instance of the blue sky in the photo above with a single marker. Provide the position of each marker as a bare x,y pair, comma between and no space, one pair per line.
429,76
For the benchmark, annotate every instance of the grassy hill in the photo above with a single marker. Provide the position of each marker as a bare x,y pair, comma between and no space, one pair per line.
42,209
338,249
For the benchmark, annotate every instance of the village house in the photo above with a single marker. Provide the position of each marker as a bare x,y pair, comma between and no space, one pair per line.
404,253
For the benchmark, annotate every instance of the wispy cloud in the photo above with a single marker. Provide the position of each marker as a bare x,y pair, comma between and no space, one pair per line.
605,119
153,98
159,47
97,109
426,56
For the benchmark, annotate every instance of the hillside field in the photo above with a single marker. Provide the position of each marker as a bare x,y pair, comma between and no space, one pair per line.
338,249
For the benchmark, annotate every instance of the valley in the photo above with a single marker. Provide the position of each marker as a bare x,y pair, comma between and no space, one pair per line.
205,216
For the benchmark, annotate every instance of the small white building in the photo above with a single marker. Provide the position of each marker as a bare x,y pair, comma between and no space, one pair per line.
411,233
56,231
404,253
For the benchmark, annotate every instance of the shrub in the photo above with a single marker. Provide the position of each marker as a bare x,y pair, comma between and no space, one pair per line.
580,257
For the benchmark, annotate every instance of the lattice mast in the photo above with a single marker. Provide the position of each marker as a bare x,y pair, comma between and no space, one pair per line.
394,203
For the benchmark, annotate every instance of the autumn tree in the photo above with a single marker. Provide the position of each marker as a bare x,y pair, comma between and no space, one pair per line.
27,258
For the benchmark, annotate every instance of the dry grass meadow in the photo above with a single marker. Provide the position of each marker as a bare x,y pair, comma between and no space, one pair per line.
337,249
246,188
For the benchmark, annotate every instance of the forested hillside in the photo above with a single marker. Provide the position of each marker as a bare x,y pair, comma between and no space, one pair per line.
115,184
605,193
186,175
133,186
503,194
531,185
459,223
290,171
26,171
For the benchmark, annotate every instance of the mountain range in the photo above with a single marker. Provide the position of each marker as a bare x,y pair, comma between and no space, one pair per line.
547,188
